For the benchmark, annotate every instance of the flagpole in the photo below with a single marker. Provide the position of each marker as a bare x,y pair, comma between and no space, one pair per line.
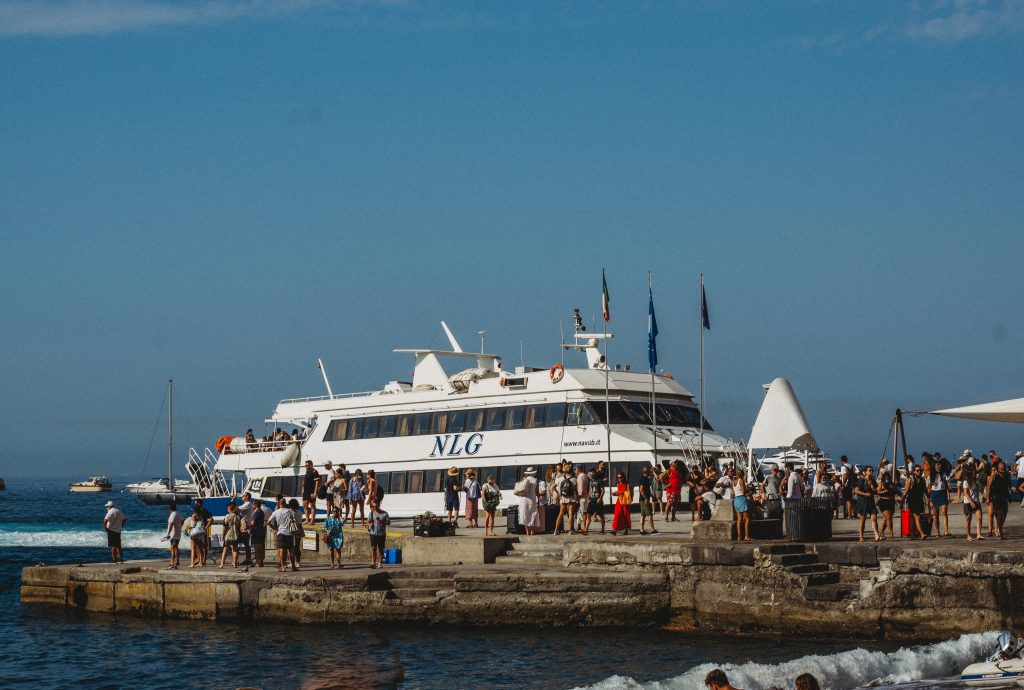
703,461
654,417
607,404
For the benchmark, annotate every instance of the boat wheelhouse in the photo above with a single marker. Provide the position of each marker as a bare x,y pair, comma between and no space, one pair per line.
482,417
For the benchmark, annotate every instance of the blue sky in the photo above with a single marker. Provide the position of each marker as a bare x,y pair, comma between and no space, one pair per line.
221,191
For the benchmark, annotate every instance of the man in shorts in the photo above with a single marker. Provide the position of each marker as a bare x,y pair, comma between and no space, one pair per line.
283,520
647,499
174,522
583,494
113,523
329,484
378,529
595,501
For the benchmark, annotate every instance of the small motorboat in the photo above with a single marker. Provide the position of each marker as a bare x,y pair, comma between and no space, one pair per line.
1005,668
92,485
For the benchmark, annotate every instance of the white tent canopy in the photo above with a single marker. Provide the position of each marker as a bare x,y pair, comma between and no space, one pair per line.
781,422
1002,411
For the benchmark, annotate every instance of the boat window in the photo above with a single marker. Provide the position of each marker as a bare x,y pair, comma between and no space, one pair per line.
514,417
438,422
507,477
291,486
404,425
578,414
639,413
384,480
370,427
415,481
487,472
387,427
494,418
634,472
555,415
272,486
617,412
336,430
533,417
355,429
475,420
434,481
456,421
398,482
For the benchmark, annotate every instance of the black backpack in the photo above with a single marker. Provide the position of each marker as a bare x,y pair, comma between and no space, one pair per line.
380,492
567,488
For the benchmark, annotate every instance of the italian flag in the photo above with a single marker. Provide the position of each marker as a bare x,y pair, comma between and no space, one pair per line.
604,298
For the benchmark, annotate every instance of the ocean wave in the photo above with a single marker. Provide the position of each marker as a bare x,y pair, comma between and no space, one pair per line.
850,669
72,537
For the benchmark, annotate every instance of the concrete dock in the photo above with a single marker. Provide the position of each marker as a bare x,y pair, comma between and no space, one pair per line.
896,589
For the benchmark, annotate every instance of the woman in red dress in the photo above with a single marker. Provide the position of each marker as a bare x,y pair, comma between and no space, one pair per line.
621,520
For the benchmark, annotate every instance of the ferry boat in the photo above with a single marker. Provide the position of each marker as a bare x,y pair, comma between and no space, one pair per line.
482,417
92,484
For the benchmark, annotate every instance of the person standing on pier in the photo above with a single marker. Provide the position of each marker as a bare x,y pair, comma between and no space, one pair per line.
258,532
623,499
232,528
647,494
310,489
472,488
846,479
938,488
378,529
999,495
492,499
526,490
451,496
914,494
972,500
113,523
886,493
865,491
283,520
334,536
245,512
174,522
741,506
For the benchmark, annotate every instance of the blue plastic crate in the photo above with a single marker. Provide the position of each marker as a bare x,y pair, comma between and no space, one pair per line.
392,557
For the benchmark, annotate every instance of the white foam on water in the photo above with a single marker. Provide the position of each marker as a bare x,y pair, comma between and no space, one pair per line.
842,671
73,537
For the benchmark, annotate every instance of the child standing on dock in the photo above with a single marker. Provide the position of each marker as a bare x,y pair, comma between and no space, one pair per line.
334,537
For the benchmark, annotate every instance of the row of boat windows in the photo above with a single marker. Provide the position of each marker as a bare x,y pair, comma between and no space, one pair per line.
508,418
432,481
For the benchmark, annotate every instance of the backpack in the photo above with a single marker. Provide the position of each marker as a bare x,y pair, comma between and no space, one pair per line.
567,488
945,466
380,492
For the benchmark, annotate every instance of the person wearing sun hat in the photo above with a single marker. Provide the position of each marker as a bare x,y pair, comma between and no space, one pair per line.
113,523
529,513
451,495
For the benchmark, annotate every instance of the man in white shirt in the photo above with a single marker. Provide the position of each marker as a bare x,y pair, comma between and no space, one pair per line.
795,485
723,487
113,523
174,522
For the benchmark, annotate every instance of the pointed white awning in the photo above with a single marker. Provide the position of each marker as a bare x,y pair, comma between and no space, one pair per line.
1002,411
781,422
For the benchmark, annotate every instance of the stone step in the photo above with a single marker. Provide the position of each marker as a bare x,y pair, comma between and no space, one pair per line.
815,579
434,575
779,549
839,591
421,583
519,560
534,553
412,593
787,559
807,569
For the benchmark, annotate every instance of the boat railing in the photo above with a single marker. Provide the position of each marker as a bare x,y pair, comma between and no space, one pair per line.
260,446
336,396
202,469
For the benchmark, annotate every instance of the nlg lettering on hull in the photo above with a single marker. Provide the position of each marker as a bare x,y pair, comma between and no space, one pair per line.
451,445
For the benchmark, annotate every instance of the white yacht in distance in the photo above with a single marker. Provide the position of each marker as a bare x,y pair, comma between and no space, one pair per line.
481,417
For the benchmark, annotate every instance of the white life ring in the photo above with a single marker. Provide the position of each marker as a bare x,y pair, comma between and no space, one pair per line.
556,373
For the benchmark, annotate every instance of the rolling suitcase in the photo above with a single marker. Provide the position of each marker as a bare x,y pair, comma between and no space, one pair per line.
906,522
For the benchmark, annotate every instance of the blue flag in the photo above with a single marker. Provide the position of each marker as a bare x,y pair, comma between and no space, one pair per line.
652,333
706,322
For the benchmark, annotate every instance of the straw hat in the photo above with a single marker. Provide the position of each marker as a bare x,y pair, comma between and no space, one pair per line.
453,470
530,472
470,473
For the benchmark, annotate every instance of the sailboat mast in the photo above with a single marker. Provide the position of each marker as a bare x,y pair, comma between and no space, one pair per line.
170,434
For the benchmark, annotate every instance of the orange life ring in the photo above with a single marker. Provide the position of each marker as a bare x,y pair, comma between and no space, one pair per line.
223,443
667,376
556,373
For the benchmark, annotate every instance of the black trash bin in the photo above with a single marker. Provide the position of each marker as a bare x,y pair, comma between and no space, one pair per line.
809,519
773,509
512,525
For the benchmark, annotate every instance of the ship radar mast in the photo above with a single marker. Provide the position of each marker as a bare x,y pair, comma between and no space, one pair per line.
587,343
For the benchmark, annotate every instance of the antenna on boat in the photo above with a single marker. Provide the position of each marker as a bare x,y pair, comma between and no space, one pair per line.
323,372
451,338
561,339
522,359
482,334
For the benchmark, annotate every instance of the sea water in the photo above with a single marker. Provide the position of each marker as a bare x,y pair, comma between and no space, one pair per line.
43,647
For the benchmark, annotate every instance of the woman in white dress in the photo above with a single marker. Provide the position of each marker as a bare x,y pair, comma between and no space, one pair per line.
529,514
